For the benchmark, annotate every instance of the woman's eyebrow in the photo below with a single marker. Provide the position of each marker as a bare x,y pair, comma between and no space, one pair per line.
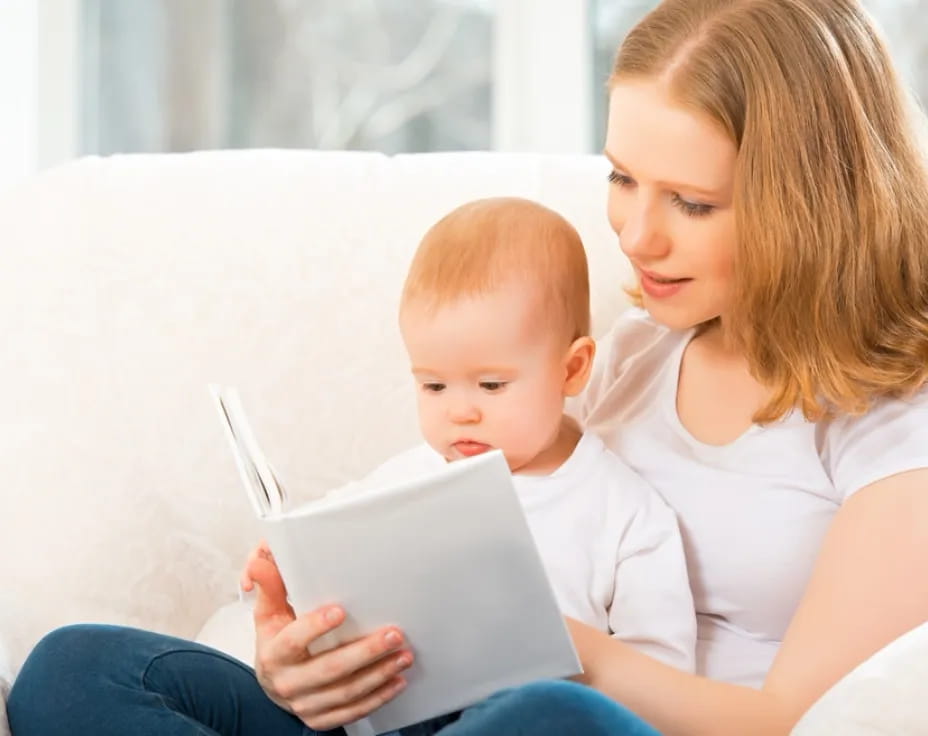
712,193
612,159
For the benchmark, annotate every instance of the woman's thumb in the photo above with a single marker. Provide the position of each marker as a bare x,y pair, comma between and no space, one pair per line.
272,611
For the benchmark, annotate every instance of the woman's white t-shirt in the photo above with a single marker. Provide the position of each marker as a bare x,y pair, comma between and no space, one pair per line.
753,513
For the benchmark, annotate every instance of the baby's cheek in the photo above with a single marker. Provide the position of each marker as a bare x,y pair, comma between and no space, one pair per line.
535,424
428,425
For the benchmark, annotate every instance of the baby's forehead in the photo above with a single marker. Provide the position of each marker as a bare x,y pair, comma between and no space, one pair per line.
518,311
482,328
505,300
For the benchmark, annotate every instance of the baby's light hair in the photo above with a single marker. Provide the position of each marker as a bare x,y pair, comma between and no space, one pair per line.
489,244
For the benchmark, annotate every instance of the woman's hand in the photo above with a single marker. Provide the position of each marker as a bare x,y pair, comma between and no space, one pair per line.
329,689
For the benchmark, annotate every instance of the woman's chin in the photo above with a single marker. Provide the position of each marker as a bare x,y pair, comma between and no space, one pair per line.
677,316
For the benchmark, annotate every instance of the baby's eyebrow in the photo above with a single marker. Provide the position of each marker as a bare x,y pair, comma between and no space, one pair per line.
497,372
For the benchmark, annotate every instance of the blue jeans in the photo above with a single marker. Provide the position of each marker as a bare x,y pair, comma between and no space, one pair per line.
109,681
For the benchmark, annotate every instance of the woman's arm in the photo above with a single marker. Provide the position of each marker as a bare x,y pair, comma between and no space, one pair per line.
869,586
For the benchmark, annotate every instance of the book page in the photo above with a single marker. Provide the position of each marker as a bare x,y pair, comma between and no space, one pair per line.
264,491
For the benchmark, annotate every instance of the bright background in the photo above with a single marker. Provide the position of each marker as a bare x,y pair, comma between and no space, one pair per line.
110,76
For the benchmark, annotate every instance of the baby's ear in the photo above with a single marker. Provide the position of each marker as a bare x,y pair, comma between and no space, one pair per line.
578,363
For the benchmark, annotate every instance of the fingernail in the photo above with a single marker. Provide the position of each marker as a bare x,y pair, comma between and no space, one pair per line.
403,661
333,615
399,685
392,638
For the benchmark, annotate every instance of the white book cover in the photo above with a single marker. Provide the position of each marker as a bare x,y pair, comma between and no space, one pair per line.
448,558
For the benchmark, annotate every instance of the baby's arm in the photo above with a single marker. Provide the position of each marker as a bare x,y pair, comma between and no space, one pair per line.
652,609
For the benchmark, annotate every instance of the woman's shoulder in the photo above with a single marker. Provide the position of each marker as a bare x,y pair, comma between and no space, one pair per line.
635,344
891,437
636,321
635,338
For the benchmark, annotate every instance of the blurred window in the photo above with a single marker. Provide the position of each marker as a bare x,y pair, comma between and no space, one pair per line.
386,75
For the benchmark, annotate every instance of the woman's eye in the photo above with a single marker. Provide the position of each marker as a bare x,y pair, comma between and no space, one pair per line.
692,209
623,181
434,388
492,386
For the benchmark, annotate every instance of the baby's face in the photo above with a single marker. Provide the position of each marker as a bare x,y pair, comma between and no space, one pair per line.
489,375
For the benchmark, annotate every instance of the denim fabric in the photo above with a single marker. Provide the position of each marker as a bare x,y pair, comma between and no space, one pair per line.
109,681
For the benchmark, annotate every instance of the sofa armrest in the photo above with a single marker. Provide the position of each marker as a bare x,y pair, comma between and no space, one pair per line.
885,695
231,630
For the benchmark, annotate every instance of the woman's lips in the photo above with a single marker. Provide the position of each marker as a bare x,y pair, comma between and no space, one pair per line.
469,448
660,287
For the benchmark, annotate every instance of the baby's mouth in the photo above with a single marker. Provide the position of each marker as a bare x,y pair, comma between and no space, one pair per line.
469,448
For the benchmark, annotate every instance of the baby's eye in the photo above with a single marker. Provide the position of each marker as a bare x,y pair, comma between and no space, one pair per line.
433,387
492,386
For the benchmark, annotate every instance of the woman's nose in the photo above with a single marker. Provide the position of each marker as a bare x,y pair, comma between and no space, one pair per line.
641,233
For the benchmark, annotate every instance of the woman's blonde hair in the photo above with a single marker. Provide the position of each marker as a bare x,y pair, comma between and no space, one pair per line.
489,244
831,267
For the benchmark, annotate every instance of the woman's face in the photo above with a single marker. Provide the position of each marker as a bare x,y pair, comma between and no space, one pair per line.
670,202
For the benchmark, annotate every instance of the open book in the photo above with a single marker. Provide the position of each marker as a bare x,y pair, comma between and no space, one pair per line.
448,558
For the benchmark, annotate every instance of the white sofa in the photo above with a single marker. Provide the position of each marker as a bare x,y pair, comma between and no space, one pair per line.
129,283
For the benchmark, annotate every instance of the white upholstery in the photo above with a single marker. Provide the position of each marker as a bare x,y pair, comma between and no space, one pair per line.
885,696
127,284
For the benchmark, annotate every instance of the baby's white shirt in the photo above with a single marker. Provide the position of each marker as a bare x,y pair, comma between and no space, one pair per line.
611,546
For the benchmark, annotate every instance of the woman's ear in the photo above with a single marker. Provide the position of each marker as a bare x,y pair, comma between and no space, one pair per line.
578,363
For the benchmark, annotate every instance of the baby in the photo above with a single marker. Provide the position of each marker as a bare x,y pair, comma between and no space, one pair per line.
495,316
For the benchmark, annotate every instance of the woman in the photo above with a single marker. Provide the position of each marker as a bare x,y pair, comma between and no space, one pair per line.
769,189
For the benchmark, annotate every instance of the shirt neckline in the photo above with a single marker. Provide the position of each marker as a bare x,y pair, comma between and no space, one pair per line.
584,446
669,404
535,489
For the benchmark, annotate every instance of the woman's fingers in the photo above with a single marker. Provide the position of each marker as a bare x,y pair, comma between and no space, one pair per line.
272,612
324,670
361,683
330,688
290,643
346,692
342,662
358,709
261,551
265,573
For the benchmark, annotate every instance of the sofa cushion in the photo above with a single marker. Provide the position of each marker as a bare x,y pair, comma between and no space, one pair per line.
129,283
231,630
